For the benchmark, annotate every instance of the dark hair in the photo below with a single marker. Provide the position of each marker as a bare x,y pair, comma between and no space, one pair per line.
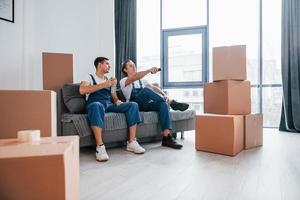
99,60
124,65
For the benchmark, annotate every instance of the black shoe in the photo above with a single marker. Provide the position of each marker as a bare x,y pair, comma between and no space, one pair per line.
169,141
179,106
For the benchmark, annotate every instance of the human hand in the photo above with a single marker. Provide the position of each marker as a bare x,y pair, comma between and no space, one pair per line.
114,80
111,82
154,70
119,102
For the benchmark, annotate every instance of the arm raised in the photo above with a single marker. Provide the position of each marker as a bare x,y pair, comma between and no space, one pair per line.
141,74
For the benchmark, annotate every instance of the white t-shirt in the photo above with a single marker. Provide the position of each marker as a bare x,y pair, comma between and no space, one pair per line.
98,81
128,89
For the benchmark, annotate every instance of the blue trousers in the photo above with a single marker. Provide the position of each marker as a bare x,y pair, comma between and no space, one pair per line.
96,111
148,100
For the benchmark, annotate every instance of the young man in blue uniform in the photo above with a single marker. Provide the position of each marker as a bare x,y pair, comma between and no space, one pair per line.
150,98
101,97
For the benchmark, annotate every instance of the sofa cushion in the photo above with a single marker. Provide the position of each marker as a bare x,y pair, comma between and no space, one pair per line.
152,117
182,115
74,101
115,121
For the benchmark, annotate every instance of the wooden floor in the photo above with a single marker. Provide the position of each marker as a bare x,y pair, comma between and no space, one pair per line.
269,172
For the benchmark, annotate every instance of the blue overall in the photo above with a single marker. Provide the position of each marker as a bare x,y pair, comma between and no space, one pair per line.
100,102
148,100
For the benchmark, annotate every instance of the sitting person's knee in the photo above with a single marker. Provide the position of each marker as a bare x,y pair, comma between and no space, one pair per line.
96,105
133,104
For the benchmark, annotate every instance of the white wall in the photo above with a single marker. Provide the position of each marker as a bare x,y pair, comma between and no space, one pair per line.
11,50
83,28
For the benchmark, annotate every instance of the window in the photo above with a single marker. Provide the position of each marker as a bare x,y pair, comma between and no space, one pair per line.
195,93
148,37
271,62
187,13
179,36
186,93
255,100
184,40
236,22
184,57
272,101
181,27
184,46
195,101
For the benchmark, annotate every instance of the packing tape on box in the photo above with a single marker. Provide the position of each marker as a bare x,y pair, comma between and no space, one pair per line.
29,135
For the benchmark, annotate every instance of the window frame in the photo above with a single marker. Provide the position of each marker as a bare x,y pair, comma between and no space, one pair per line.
177,32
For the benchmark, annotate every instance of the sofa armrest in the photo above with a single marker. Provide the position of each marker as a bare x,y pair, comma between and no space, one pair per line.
27,109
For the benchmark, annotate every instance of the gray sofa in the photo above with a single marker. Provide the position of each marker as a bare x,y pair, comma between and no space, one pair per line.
72,120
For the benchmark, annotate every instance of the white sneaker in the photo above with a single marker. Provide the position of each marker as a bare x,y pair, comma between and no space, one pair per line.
135,147
101,154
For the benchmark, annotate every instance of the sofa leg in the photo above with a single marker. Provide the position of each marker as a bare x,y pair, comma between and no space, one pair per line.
182,135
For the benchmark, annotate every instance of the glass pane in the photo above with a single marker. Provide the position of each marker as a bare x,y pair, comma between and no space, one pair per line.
254,100
271,42
272,101
194,97
236,22
185,58
148,37
187,13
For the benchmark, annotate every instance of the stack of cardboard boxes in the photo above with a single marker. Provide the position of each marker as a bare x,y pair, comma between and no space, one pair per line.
229,127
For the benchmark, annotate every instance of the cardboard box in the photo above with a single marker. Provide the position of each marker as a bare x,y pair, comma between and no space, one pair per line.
27,109
227,97
223,134
48,169
229,63
57,70
253,128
